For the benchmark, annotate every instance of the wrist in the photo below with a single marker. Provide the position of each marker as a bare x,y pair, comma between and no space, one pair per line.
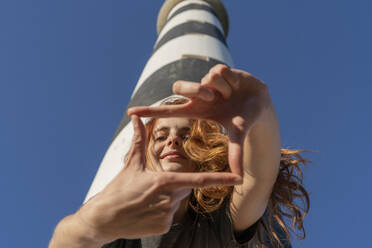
87,233
71,232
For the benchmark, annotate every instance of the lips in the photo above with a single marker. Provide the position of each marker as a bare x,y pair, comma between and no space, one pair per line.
173,154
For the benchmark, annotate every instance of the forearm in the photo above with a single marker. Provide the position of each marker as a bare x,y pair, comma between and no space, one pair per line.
261,165
262,147
69,233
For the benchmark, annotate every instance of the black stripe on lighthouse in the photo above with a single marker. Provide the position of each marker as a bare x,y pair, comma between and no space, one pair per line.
159,85
193,6
192,27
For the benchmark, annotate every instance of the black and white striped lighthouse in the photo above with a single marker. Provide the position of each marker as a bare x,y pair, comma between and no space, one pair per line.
191,40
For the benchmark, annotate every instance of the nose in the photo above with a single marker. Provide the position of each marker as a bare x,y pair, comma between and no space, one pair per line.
174,140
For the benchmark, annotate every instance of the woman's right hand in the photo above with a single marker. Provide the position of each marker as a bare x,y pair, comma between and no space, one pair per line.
139,202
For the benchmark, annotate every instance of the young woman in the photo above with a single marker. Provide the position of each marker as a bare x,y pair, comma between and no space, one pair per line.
204,172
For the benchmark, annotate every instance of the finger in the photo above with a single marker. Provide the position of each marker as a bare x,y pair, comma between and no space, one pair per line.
235,158
229,75
200,180
218,83
237,136
193,90
136,157
180,110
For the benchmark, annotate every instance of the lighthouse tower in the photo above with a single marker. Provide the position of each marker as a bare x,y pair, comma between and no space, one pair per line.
191,40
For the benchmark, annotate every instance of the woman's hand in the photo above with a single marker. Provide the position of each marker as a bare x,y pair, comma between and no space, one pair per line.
233,98
138,202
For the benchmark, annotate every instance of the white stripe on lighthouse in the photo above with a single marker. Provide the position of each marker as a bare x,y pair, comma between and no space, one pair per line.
173,50
191,15
184,3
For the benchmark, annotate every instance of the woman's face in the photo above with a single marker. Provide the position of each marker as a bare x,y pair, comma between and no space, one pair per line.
166,145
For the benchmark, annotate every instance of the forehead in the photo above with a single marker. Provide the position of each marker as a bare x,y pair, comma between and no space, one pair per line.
172,122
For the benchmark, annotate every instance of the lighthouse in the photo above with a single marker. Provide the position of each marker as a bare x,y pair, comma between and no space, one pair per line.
191,40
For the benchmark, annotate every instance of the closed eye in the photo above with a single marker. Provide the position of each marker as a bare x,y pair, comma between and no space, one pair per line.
160,138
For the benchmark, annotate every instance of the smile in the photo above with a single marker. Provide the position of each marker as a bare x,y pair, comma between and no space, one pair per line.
170,155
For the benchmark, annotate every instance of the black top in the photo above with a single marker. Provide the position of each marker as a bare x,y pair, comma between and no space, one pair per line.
213,230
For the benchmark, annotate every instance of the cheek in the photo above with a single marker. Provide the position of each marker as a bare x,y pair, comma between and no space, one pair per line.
154,152
157,149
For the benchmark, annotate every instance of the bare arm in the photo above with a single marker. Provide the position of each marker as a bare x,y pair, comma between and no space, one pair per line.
73,234
261,161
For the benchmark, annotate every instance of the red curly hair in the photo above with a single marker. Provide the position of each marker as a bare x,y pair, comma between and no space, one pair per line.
207,147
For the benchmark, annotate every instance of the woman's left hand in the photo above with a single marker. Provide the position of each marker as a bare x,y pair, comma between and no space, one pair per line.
231,97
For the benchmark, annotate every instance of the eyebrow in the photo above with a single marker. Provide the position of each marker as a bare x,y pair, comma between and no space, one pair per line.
167,129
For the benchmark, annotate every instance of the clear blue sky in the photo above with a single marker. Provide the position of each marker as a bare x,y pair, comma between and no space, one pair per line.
67,69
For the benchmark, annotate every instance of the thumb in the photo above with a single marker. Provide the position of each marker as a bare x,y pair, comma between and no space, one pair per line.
136,156
236,158
235,152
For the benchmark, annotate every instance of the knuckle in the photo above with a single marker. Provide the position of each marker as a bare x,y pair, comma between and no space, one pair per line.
249,75
168,178
214,76
135,146
199,89
137,141
137,138
245,73
200,181
159,181
222,69
166,206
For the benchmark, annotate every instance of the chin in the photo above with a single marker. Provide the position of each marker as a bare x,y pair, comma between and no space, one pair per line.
175,167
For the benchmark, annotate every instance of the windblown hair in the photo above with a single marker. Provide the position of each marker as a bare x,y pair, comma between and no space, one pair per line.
207,147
